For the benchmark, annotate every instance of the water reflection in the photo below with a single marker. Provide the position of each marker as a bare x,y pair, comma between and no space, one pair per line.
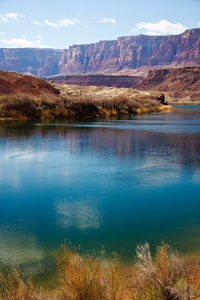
109,140
19,246
82,214
113,182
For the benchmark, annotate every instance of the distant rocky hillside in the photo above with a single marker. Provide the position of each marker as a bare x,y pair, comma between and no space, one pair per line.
98,80
174,79
38,62
18,84
178,84
126,55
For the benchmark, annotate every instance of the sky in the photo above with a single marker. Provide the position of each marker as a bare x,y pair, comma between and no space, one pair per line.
61,23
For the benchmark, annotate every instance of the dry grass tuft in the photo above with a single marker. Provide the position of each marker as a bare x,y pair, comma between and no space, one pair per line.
14,286
168,278
91,277
88,277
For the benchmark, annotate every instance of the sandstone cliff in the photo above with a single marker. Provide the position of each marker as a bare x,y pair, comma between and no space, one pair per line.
38,62
125,55
133,52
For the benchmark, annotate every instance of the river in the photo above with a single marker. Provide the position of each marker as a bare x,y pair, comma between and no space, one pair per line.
112,183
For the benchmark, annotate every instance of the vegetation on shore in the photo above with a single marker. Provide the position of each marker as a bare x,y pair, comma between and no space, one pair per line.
76,102
89,277
26,97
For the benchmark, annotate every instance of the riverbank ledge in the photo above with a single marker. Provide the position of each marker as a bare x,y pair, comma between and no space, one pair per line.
102,101
27,97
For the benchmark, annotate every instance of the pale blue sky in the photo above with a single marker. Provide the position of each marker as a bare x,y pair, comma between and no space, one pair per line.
61,23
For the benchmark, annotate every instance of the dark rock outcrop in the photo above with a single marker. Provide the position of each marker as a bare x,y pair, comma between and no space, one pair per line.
123,55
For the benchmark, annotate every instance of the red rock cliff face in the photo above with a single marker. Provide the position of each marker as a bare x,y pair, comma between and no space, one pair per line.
133,52
125,53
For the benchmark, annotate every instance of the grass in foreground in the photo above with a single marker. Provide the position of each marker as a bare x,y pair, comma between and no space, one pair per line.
15,286
88,277
92,277
168,278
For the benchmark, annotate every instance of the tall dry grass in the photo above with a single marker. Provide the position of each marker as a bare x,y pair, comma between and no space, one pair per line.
88,277
168,278
77,104
14,286
92,277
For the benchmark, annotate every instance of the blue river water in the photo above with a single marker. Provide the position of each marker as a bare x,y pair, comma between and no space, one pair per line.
111,182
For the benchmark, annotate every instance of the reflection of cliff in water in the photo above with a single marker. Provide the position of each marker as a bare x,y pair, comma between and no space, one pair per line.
105,139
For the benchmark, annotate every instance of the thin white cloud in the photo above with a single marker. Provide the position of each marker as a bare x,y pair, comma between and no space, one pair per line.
62,23
37,23
13,16
108,20
5,18
85,25
199,23
162,27
23,43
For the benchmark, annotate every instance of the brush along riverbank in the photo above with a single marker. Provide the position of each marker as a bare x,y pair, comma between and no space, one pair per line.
81,102
167,276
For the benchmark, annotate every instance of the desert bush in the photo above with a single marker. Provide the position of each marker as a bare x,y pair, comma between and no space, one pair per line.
92,277
25,105
46,102
88,277
167,278
12,114
99,88
3,98
84,108
77,103
14,286
59,112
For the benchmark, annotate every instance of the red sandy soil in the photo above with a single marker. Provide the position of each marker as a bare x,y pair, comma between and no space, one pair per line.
17,84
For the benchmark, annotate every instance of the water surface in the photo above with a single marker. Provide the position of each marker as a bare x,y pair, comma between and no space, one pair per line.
115,182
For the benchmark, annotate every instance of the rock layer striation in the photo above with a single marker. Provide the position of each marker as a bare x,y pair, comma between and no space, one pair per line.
98,80
123,55
173,79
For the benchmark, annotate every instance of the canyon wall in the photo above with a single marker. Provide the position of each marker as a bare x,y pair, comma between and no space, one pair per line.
30,61
121,56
